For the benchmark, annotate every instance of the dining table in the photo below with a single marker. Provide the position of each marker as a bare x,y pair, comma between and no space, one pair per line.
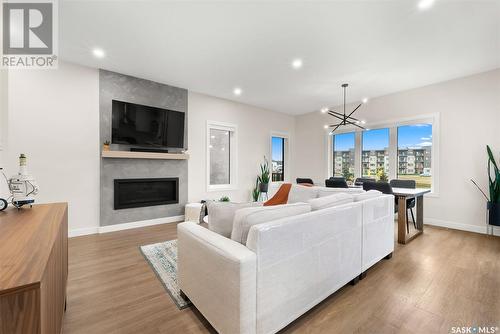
402,195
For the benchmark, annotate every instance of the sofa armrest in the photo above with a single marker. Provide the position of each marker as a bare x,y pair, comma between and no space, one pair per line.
219,277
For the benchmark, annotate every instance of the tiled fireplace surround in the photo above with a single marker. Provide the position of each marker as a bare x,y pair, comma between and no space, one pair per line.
126,88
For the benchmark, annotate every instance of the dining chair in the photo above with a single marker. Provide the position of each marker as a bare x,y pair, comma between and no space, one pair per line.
360,180
301,180
336,182
410,203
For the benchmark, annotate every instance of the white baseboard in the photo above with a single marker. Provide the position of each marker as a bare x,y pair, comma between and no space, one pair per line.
460,226
142,223
125,226
78,232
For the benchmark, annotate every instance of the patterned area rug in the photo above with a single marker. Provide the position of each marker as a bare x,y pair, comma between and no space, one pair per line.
162,257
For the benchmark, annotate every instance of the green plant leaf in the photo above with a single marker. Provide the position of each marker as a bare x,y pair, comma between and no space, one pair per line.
493,177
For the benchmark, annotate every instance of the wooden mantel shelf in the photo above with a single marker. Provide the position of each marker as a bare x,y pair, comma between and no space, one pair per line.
144,155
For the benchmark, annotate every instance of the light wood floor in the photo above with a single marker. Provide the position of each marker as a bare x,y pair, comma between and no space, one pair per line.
442,279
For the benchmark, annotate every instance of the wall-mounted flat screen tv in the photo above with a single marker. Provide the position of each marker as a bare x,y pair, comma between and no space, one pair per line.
140,125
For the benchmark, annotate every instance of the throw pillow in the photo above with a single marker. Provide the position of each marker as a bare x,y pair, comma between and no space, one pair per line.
221,215
330,201
367,195
244,219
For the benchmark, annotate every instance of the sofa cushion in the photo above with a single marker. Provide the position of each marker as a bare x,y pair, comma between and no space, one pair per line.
325,191
245,218
330,201
301,194
367,195
221,215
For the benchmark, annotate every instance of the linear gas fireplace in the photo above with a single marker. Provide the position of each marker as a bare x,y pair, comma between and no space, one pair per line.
135,193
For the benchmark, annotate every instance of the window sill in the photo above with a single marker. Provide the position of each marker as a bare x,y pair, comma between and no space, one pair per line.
223,187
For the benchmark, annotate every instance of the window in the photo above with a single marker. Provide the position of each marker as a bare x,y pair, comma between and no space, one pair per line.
375,154
415,154
278,158
221,151
343,155
405,149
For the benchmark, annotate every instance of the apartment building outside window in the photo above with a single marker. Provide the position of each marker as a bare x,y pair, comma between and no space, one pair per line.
415,154
375,154
343,155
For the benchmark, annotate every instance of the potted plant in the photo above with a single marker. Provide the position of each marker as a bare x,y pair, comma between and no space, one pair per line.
494,185
264,176
105,146
493,204
256,191
224,199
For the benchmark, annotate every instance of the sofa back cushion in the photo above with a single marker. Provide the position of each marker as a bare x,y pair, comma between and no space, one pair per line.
324,191
301,194
367,195
245,218
221,215
330,201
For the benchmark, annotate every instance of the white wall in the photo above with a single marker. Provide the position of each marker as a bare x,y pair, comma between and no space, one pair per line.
53,118
469,111
254,131
3,126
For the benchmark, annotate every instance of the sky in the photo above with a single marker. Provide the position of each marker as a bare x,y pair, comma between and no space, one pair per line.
418,135
277,148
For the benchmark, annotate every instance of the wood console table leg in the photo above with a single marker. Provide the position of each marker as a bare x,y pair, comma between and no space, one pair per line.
402,219
420,213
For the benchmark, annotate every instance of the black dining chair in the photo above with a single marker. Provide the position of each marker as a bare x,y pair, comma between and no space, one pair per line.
301,180
336,182
360,180
385,187
410,203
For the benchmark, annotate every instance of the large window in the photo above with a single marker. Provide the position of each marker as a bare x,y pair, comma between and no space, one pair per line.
415,154
375,154
221,155
278,158
343,155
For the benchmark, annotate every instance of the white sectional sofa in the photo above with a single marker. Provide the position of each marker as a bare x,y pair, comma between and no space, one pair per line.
284,266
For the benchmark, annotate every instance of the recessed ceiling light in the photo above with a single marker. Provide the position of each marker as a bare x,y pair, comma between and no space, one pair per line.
324,110
425,4
325,126
365,100
237,91
98,53
363,122
297,63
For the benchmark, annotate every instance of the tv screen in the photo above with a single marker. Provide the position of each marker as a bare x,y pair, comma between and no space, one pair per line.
135,124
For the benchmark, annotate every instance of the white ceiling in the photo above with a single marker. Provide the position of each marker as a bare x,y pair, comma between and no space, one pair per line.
378,47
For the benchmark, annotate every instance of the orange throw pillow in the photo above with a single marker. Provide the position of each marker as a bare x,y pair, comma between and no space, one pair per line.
281,196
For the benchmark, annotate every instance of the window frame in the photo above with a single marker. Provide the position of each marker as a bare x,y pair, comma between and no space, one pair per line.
392,125
233,155
286,154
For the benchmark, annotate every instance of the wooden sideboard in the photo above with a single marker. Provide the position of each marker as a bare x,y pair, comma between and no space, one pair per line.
33,269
